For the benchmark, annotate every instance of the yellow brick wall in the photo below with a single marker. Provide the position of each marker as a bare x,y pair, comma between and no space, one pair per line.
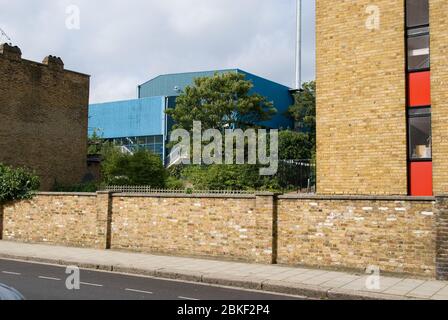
229,228
439,88
59,220
397,236
361,120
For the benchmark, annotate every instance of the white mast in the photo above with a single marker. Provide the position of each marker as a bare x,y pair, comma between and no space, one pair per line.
299,46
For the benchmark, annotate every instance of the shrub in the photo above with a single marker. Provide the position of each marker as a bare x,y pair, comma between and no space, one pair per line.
140,168
16,184
82,187
229,177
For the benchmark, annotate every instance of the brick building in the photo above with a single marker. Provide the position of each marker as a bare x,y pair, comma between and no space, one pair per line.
43,117
382,109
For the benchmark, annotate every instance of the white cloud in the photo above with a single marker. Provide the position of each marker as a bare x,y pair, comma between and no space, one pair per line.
122,44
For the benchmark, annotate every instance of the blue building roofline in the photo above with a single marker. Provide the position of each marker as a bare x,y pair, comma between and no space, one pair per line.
237,70
124,101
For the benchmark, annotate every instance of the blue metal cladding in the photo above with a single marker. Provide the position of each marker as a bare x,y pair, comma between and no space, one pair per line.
166,85
172,84
276,93
131,118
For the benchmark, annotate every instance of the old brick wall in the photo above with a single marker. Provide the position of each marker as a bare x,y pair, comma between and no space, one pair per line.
63,219
43,117
237,228
442,237
399,236
361,99
439,92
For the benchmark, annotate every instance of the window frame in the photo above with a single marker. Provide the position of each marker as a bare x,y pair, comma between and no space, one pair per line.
418,35
410,116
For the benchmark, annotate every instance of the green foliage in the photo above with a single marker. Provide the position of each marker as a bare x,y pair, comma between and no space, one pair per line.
16,184
173,183
295,145
304,109
83,187
141,168
220,102
228,177
95,143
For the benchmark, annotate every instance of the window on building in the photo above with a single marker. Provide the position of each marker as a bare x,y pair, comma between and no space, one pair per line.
420,136
418,52
417,12
151,143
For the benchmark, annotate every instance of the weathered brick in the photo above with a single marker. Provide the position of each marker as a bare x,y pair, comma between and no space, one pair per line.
361,99
355,234
43,117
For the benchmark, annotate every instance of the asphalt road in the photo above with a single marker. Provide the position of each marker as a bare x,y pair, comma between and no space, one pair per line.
48,282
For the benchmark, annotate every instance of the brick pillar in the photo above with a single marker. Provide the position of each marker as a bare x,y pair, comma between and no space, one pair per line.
104,219
1,222
266,226
441,209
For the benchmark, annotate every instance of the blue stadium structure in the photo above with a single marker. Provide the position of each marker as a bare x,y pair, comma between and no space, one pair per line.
142,123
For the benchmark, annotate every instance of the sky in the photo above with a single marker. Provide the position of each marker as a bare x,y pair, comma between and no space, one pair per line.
122,44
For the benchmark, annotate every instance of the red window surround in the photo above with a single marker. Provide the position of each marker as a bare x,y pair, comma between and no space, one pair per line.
421,179
419,89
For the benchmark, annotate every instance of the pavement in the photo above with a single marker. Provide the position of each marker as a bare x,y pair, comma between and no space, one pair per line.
300,282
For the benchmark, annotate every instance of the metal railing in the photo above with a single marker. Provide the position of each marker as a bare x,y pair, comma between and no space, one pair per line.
297,175
150,190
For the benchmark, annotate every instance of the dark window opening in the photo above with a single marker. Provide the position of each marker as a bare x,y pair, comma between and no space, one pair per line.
417,13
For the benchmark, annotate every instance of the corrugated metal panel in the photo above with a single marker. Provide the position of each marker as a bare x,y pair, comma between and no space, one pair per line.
165,85
132,118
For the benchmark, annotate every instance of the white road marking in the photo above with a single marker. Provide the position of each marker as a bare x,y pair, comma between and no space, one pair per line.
91,284
49,278
12,273
139,291
186,298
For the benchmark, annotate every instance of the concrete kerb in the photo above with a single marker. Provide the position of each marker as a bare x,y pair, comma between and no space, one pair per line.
303,290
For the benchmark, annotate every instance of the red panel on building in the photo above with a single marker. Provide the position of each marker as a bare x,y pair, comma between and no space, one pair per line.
420,89
421,179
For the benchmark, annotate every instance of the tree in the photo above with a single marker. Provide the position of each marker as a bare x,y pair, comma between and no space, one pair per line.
141,168
304,109
295,146
95,143
16,184
221,102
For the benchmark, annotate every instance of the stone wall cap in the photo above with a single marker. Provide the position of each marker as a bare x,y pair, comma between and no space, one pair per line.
67,194
265,194
182,195
355,197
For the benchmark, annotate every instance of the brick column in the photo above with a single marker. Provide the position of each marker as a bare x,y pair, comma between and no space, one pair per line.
441,209
1,221
266,227
104,219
